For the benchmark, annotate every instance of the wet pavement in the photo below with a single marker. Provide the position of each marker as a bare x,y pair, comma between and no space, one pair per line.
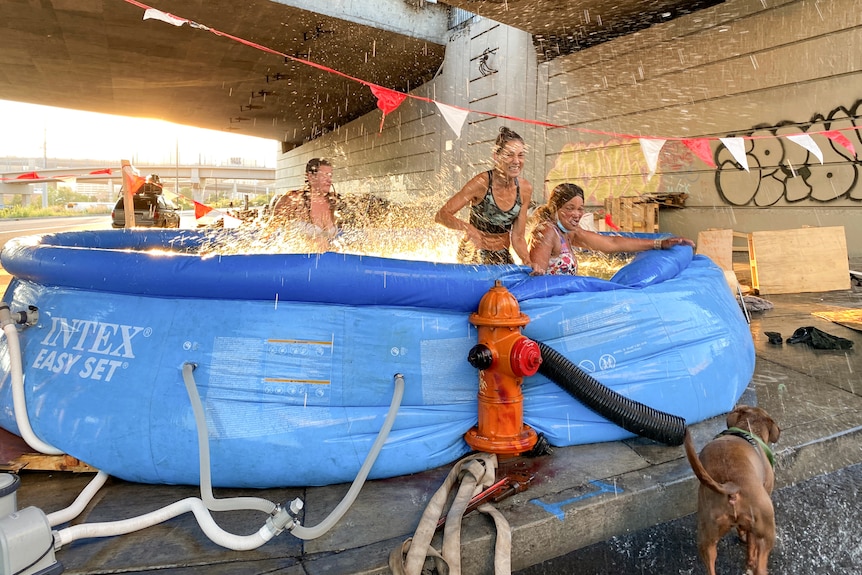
818,532
579,496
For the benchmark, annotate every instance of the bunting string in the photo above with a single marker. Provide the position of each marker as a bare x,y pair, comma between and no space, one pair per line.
33,177
388,100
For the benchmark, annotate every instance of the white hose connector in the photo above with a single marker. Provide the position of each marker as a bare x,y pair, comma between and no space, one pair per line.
213,504
336,514
77,506
19,401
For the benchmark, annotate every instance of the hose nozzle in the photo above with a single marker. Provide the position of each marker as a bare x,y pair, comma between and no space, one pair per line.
28,317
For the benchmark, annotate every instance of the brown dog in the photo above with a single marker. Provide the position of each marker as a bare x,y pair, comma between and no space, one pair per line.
736,481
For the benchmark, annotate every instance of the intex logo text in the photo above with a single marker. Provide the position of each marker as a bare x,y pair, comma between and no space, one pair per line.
96,349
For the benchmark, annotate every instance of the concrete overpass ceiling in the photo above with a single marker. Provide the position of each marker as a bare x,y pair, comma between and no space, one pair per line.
103,57
561,27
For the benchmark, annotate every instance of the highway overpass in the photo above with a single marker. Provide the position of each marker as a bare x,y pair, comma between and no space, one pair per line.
202,179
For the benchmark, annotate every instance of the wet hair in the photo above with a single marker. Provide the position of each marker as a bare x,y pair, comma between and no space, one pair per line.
504,137
561,195
314,164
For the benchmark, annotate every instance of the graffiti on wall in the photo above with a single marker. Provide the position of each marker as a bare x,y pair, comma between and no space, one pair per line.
782,170
614,168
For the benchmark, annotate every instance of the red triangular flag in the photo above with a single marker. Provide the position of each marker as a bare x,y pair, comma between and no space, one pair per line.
387,100
131,178
841,139
201,210
29,176
701,149
105,171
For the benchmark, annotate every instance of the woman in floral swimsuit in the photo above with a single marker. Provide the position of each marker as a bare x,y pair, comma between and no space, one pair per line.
556,231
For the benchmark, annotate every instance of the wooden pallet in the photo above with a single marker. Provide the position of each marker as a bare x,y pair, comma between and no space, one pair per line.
633,214
666,200
16,455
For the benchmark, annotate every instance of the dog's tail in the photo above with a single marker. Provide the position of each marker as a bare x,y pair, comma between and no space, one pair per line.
701,473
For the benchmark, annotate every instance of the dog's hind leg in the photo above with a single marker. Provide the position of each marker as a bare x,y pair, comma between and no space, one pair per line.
761,540
764,547
709,533
708,554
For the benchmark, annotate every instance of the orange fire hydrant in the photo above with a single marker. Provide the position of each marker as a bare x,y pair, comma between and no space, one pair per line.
503,357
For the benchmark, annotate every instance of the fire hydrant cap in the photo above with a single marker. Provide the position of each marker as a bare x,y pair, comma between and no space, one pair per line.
499,307
526,357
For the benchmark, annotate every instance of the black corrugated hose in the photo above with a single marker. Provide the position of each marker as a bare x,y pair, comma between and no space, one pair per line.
628,414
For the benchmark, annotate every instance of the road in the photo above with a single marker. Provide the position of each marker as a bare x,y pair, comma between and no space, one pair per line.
11,228
818,533
32,226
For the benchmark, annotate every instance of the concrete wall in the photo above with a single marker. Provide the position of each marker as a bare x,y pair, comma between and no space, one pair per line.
417,158
738,69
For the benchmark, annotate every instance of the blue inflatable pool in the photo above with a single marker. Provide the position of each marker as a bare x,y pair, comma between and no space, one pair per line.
296,353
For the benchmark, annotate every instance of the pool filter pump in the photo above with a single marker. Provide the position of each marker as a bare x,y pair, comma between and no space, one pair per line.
26,539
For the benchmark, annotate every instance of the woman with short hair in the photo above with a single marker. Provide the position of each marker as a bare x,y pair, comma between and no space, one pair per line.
312,209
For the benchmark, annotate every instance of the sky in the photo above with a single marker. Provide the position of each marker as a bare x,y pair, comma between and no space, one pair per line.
70,134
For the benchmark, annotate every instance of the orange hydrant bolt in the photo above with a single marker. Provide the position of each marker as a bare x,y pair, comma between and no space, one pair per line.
503,357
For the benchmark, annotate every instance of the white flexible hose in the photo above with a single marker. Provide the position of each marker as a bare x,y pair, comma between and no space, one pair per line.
216,533
19,400
75,509
339,511
193,504
228,504
198,507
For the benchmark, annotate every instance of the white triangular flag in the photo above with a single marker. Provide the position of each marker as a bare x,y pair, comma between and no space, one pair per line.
808,143
228,220
231,222
454,116
163,16
736,147
651,148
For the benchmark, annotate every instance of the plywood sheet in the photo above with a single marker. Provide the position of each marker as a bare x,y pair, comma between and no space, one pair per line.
799,260
848,317
717,245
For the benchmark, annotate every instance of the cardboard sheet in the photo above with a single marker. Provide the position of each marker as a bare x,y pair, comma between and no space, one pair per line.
848,317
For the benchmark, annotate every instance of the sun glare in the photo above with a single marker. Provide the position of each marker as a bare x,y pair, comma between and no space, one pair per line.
30,130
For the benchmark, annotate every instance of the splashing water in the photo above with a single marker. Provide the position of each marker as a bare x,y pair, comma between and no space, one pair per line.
374,227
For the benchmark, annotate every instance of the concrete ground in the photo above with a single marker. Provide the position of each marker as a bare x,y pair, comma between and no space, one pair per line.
579,495
817,531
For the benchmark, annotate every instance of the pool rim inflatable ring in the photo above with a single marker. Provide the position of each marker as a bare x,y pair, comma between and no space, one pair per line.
147,262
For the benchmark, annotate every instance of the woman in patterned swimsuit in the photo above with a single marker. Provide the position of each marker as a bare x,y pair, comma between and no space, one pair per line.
555,232
497,200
